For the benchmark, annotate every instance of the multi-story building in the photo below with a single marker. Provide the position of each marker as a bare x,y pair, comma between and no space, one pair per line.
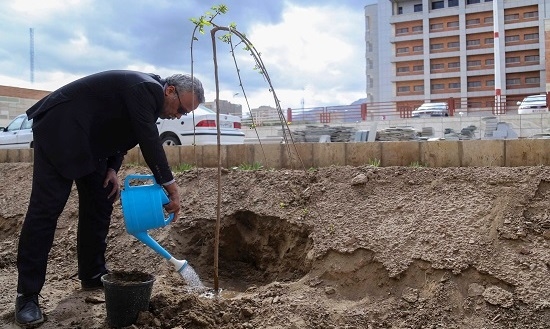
226,107
467,50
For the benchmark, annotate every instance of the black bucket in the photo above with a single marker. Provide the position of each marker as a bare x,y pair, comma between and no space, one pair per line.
126,294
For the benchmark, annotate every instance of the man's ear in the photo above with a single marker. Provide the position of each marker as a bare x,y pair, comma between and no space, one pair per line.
169,90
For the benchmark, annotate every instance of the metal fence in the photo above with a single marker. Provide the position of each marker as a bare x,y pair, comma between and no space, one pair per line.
375,111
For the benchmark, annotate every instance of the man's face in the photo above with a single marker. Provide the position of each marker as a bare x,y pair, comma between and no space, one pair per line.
177,103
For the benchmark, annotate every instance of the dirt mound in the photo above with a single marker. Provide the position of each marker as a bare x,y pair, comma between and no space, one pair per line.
337,247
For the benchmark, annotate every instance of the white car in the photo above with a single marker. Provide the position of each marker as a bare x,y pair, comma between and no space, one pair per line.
199,128
18,134
431,110
533,104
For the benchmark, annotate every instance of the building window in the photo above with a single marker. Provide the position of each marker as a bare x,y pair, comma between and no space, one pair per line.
454,44
404,89
511,17
471,43
403,50
453,65
403,30
474,105
513,82
418,49
454,85
403,69
488,20
418,8
439,66
438,4
532,80
438,26
474,84
452,24
418,88
531,14
436,46
418,28
474,21
512,60
453,3
490,83
531,36
474,63
532,58
471,2
489,41
512,38
418,68
399,10
489,61
438,86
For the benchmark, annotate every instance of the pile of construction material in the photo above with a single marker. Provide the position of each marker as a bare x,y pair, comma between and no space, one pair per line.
405,133
467,133
313,134
495,129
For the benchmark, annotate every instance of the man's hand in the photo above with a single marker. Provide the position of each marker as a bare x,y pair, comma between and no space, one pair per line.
111,177
173,207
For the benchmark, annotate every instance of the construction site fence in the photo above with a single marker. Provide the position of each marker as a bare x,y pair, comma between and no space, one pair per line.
376,111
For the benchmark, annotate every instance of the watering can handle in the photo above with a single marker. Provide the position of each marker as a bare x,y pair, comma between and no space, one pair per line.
168,219
138,177
127,185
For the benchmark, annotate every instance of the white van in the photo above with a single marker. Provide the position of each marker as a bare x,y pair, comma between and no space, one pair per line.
431,110
533,104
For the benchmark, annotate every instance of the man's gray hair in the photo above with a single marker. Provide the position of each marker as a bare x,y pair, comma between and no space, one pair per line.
184,83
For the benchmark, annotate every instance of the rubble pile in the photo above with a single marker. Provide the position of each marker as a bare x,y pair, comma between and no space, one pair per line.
397,134
467,133
313,134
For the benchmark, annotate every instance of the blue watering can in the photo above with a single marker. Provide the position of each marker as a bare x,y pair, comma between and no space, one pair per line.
142,208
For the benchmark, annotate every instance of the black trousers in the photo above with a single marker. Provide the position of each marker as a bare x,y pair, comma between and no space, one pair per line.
49,195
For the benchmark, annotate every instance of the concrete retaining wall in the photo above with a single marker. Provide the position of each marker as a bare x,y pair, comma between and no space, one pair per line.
471,153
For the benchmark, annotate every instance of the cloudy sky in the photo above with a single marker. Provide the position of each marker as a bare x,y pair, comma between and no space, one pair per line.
313,49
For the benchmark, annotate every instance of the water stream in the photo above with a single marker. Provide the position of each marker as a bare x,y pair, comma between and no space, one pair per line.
191,277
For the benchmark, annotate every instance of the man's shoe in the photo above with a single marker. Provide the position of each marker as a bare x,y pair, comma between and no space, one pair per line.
27,311
93,284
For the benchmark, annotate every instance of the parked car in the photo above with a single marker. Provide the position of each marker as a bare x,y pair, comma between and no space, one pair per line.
431,110
18,133
533,104
199,128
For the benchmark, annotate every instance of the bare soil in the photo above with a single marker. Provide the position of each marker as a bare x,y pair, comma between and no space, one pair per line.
336,247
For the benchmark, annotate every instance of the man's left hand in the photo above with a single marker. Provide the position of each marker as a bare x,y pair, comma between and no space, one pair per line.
111,177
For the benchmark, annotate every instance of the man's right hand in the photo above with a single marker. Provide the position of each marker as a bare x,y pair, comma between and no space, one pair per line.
173,207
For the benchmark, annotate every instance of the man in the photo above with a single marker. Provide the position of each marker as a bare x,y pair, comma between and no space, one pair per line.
81,133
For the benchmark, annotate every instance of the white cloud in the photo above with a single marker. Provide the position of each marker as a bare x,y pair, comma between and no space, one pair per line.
311,55
41,10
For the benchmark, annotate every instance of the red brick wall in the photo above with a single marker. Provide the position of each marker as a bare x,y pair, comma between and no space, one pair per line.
23,92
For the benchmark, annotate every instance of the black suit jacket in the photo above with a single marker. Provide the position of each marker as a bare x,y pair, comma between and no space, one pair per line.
102,116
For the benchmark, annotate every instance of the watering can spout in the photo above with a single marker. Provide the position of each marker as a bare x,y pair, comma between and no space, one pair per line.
146,239
179,265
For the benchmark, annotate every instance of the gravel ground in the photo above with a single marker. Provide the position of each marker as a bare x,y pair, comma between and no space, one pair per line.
336,247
